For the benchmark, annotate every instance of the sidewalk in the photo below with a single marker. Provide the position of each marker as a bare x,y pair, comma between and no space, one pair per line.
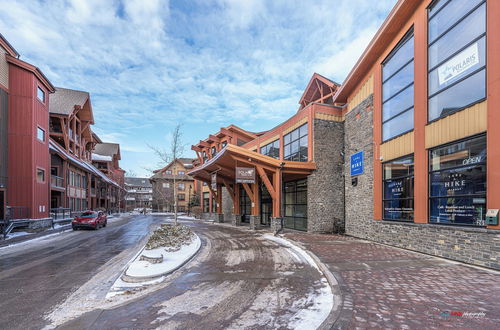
386,287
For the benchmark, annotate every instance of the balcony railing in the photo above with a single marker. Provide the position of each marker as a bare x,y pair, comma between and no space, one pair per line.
56,181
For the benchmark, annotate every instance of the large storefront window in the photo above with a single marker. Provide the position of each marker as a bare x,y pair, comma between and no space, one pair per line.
398,189
457,181
397,89
296,204
271,149
457,55
295,144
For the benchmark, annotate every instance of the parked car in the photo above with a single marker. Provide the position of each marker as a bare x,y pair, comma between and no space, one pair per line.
90,219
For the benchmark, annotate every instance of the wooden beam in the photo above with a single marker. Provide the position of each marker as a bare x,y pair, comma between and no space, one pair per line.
249,191
246,161
269,186
213,138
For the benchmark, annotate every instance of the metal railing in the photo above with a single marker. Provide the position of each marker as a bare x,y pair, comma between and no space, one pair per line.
56,181
16,216
60,214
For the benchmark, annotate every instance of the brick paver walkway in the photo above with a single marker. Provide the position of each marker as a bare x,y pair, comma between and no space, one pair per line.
391,288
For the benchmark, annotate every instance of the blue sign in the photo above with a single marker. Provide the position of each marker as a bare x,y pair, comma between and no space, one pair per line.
357,163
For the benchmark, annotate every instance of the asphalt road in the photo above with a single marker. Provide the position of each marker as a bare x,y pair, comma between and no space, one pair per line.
237,280
37,276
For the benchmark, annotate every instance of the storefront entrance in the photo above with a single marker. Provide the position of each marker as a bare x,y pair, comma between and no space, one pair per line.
296,204
245,205
266,206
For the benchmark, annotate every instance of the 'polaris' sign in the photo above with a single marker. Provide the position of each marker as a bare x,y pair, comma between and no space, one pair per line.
459,64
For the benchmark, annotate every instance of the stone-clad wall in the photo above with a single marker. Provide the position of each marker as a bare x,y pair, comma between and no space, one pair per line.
227,205
325,197
359,137
477,246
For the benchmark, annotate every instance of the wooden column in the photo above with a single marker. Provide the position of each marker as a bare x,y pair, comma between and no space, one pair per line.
493,88
377,140
277,199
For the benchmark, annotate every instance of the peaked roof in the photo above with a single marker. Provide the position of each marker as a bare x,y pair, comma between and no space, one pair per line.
33,69
186,162
141,182
318,87
8,47
64,100
107,149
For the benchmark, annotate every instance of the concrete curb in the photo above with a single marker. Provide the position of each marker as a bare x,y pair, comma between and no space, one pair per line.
338,298
139,279
26,238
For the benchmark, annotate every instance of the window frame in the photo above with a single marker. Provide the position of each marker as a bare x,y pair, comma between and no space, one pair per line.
38,129
410,34
430,172
464,47
299,137
398,178
44,94
270,145
44,175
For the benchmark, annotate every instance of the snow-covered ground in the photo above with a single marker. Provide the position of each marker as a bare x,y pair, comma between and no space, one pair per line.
320,301
141,273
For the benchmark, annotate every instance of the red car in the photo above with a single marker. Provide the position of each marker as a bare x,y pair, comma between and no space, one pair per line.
90,219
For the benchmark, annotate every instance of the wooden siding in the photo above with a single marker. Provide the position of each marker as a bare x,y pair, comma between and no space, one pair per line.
365,91
271,139
397,147
4,69
328,117
462,124
296,125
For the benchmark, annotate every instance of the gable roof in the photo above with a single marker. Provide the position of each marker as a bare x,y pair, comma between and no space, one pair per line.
140,182
107,149
186,162
64,100
8,47
313,91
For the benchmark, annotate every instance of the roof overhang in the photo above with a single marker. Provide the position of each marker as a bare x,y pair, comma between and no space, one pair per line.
226,161
36,71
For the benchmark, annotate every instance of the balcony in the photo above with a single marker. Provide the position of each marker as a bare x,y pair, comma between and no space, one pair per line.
56,182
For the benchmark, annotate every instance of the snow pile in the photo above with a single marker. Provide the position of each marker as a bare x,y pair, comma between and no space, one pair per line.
170,237
102,158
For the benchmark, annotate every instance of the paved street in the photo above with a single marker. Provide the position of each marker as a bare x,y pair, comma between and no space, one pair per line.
388,288
35,277
238,279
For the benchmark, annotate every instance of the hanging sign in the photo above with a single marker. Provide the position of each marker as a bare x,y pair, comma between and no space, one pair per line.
214,181
357,167
459,64
245,175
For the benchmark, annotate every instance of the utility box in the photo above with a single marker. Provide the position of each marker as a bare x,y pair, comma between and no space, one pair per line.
492,217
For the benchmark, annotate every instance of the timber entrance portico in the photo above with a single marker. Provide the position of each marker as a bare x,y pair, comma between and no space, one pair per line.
264,196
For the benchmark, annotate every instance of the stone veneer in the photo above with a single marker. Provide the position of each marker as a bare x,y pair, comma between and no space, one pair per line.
325,186
227,205
477,246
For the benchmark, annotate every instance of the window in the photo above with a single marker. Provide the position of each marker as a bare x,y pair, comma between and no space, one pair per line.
204,156
181,197
245,205
181,172
214,151
40,175
272,149
397,89
40,134
296,204
206,202
457,182
398,189
168,172
457,56
40,94
166,185
181,186
224,144
295,144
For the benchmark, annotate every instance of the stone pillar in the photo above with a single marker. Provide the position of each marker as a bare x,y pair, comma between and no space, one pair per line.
276,225
236,220
219,217
255,222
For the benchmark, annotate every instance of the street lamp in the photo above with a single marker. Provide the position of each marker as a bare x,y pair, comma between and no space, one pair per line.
189,201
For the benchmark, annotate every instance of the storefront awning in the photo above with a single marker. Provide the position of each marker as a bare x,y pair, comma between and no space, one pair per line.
232,156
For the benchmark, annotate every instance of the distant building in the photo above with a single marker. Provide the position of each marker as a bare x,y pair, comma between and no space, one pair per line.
139,193
163,186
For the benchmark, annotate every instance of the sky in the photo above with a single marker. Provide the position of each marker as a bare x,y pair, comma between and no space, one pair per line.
204,64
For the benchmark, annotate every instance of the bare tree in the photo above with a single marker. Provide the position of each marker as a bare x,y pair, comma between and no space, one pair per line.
172,155
131,174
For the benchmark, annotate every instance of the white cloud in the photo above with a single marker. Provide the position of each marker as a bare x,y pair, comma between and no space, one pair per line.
205,63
